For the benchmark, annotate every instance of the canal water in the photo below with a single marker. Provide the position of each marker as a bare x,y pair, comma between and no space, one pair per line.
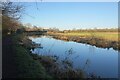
99,61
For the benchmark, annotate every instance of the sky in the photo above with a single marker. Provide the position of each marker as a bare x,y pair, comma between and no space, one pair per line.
71,15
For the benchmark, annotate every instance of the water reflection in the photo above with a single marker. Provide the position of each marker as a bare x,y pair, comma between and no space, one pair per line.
93,60
92,49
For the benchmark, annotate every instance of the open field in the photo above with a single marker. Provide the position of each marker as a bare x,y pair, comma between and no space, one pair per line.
111,36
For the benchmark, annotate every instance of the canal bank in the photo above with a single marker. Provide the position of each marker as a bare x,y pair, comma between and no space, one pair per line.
17,62
22,63
94,41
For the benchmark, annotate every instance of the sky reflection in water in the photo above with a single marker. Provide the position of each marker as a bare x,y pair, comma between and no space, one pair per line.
102,62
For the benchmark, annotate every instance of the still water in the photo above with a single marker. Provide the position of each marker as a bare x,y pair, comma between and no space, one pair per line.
101,62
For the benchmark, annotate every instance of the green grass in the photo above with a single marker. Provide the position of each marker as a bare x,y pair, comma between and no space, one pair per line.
26,65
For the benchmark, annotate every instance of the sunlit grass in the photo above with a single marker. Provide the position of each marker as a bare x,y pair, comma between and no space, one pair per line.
112,36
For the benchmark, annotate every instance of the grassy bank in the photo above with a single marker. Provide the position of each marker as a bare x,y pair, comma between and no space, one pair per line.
19,62
111,36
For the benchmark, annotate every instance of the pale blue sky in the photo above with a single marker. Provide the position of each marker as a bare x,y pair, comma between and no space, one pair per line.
69,15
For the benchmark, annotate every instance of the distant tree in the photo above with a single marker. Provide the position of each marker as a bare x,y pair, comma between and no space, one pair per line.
55,29
28,25
35,28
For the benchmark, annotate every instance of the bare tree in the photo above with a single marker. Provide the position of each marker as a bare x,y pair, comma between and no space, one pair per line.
11,10
11,13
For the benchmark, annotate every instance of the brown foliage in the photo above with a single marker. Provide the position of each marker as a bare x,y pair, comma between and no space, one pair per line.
10,16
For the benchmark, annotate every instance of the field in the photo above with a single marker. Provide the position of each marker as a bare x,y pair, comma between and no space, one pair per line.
111,36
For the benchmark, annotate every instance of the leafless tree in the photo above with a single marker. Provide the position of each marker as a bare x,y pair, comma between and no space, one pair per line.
11,13
11,9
